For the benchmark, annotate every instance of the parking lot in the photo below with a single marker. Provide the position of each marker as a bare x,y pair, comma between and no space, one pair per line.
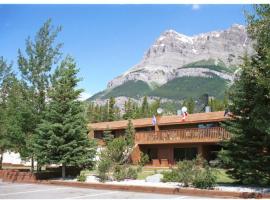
39,191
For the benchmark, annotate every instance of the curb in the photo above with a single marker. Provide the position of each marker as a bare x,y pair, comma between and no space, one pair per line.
160,190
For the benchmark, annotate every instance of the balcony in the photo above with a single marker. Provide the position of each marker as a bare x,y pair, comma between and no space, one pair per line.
189,135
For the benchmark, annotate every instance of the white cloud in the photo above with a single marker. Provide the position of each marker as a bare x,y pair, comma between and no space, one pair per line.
84,96
196,7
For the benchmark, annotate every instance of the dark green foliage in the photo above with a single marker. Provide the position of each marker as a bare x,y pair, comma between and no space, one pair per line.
190,104
170,176
218,105
132,173
119,172
81,178
104,166
205,178
210,64
144,159
111,110
128,89
247,153
115,150
194,172
144,108
107,136
62,136
35,69
5,86
130,134
191,87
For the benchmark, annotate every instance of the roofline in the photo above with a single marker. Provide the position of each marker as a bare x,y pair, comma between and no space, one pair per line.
120,127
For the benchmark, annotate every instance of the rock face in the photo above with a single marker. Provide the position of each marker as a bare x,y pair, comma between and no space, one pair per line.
167,57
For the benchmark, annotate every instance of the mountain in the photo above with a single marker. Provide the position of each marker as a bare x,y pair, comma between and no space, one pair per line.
177,66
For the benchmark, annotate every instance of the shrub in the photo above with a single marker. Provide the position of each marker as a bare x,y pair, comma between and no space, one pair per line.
186,170
144,159
205,178
132,173
170,176
81,178
119,172
103,168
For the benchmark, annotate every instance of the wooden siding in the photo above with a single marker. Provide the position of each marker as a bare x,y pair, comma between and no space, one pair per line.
189,135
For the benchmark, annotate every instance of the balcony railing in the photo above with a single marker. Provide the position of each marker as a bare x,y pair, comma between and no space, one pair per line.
214,134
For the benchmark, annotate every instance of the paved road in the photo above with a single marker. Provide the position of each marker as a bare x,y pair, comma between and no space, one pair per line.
39,191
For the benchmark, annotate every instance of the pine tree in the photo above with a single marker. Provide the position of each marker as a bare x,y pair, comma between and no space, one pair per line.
190,104
145,108
107,135
111,109
62,135
247,153
35,67
5,73
130,134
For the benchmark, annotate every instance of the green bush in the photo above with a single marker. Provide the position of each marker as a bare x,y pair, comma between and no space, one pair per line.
205,178
186,170
170,176
196,172
103,168
144,159
132,173
81,178
119,172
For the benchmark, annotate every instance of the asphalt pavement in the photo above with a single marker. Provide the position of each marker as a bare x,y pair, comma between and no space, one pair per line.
42,191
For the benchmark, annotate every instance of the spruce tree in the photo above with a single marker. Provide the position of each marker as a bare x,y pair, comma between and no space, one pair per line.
130,134
35,65
62,136
145,108
247,153
111,109
5,73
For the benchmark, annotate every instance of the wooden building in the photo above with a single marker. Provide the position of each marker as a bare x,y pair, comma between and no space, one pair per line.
172,138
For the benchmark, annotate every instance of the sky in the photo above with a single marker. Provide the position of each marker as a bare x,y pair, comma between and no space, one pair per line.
107,40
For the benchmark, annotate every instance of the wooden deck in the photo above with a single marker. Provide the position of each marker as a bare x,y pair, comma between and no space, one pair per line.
189,135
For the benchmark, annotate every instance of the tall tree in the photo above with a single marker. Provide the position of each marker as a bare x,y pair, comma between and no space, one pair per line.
35,67
145,108
62,136
247,153
190,104
5,73
111,109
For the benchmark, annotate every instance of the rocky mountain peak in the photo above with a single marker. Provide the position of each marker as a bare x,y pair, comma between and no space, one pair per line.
172,51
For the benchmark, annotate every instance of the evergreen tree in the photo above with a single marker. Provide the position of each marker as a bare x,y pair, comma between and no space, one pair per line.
190,104
41,55
5,73
128,109
130,134
111,109
247,153
107,135
62,136
145,108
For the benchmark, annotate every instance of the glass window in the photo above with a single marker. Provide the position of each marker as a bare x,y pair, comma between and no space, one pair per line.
184,153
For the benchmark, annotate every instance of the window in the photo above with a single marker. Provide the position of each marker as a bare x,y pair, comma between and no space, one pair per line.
184,153
98,135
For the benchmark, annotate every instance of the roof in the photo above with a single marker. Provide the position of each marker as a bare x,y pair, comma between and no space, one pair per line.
162,120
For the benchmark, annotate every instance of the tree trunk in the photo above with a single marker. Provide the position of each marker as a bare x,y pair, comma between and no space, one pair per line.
32,164
63,170
1,159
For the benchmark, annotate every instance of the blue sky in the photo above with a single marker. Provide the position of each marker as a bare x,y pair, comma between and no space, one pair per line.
106,40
